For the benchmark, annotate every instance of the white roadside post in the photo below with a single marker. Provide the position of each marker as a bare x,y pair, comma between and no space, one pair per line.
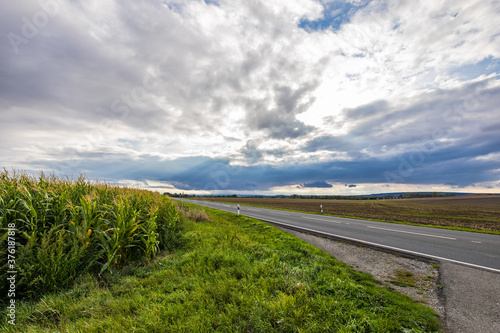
321,206
238,209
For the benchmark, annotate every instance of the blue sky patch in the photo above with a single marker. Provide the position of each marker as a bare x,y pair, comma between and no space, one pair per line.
486,66
212,2
335,14
175,7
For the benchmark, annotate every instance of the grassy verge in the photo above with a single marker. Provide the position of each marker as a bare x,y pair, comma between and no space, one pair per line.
233,274
491,232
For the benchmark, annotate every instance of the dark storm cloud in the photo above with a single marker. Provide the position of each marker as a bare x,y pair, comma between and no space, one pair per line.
457,123
318,184
328,142
202,173
280,121
460,114
365,112
251,151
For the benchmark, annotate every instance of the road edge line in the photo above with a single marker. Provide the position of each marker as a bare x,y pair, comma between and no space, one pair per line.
386,248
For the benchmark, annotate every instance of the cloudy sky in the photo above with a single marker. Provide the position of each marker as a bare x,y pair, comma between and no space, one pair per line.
254,96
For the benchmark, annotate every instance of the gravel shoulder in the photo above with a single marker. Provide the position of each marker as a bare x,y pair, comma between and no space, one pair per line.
466,299
471,298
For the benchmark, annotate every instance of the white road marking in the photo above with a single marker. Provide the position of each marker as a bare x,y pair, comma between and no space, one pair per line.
283,213
413,233
325,220
476,242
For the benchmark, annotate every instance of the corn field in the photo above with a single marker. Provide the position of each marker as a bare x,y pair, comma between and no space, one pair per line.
66,228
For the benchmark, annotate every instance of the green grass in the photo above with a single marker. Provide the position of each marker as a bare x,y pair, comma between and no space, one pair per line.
491,232
404,278
233,274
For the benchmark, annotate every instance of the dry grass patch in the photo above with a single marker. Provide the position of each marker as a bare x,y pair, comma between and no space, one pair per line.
198,215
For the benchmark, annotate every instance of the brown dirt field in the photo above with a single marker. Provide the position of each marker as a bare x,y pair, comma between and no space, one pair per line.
479,212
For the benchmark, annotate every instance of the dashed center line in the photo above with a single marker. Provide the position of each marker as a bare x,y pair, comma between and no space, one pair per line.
283,213
476,242
413,233
324,220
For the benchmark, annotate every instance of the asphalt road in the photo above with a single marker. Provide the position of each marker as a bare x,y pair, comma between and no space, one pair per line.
465,248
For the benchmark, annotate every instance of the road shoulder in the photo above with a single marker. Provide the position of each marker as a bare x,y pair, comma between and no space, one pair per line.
471,298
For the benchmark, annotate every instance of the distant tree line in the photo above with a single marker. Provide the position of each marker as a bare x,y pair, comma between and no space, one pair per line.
182,195
408,195
426,195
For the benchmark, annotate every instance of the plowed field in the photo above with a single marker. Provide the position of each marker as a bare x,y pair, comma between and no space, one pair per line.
480,212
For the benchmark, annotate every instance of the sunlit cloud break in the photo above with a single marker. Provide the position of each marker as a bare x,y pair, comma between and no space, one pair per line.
272,97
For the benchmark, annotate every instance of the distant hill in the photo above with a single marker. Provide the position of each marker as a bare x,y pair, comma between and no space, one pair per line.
415,194
392,195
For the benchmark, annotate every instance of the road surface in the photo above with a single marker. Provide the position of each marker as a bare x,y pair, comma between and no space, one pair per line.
465,248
